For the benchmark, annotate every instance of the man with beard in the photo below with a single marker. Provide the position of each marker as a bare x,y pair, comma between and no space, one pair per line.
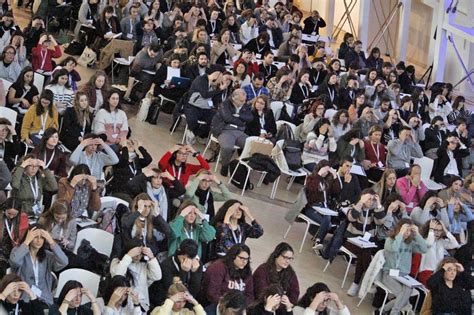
267,67
384,108
199,68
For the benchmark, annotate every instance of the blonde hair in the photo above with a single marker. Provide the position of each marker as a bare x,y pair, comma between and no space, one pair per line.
149,221
196,33
176,288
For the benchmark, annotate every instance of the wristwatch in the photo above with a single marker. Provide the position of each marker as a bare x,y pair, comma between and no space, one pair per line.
196,153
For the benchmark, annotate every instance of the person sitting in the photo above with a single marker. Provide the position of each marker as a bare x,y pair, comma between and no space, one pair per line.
77,122
184,267
14,225
375,154
232,228
263,124
459,217
29,181
438,239
10,145
316,301
51,154
119,297
17,297
80,190
32,255
107,26
70,63
402,150
411,187
42,55
229,126
9,68
62,91
184,226
313,23
449,287
310,119
178,297
231,272
22,93
162,84
388,216
111,120
404,241
199,108
454,188
301,90
435,134
267,67
199,191
199,67
386,185
256,88
319,144
271,300
259,45
59,222
175,162
366,121
70,299
356,55
96,90
430,207
138,262
449,153
351,145
38,118
349,184
133,157
87,152
222,52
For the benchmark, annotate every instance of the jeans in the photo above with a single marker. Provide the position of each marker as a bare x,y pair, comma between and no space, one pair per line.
323,220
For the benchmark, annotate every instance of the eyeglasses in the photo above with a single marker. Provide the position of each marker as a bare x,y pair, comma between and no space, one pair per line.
287,258
244,258
9,53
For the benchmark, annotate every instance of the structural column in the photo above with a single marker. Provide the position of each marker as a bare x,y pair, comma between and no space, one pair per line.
364,13
404,30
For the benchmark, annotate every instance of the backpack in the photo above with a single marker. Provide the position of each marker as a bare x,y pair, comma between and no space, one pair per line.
291,147
75,48
239,176
90,259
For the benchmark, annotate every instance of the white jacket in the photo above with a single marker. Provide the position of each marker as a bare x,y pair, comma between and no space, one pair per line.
436,249
372,273
144,274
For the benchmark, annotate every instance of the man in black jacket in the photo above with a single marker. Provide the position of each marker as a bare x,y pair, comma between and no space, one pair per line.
356,55
229,126
313,23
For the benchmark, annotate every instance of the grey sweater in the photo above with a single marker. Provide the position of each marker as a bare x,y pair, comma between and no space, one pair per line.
400,153
21,264
98,160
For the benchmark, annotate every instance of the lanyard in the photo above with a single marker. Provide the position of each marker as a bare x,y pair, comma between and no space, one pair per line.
113,115
35,269
34,189
324,193
189,234
268,72
255,93
17,308
179,172
43,122
439,138
262,121
331,94
236,240
365,222
84,125
175,264
207,198
131,26
259,49
43,58
9,230
340,181
213,26
353,151
132,168
305,91
317,77
224,95
377,152
50,159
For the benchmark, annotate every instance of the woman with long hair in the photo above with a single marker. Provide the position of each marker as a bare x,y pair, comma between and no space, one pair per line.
31,256
459,110
141,223
316,301
263,123
232,228
402,243
329,90
449,287
59,222
351,144
320,143
277,270
310,119
369,78
38,118
340,123
374,61
9,68
49,152
241,77
231,272
22,93
375,155
107,26
386,185
355,109
70,298
430,207
162,82
9,142
111,120
222,51
96,90
13,293
79,189
30,179
119,298
185,226
233,26
70,63
272,300
200,37
302,89
77,122
139,265
178,297
13,226
61,88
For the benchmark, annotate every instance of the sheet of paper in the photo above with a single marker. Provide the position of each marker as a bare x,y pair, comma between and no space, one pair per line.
326,211
172,72
360,242
357,170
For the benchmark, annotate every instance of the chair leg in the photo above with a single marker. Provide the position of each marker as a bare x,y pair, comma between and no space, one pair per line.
207,147
262,177
184,134
292,179
287,231
360,302
304,237
233,173
274,188
246,180
327,265
175,125
384,301
217,161
347,271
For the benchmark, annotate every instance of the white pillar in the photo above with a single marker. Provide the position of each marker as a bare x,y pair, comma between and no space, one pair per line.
331,9
364,13
403,31
439,57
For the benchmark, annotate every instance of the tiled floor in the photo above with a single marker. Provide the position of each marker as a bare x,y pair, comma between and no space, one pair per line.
269,213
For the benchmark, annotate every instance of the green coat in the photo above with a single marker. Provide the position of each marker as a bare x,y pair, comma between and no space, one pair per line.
193,185
22,189
202,233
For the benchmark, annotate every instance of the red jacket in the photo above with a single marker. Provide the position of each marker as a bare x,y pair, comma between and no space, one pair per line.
261,279
190,169
370,153
22,229
216,282
37,58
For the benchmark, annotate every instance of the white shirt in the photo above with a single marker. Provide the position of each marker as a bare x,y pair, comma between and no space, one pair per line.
452,167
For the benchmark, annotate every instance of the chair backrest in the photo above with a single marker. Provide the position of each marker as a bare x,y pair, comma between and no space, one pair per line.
89,280
111,202
278,106
280,123
426,165
9,114
248,144
101,240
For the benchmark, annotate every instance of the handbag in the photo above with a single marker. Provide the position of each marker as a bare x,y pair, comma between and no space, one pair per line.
144,108
262,146
87,58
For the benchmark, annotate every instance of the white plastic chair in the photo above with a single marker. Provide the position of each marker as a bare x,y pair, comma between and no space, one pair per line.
9,114
89,280
308,222
215,140
101,240
426,165
175,125
111,202
277,107
245,154
351,255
